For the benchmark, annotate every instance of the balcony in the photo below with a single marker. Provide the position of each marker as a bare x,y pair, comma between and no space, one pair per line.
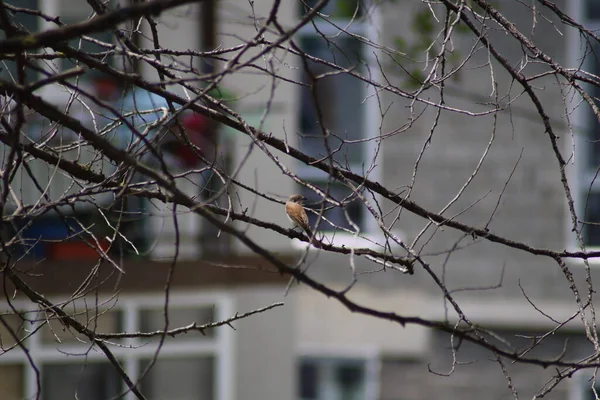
50,215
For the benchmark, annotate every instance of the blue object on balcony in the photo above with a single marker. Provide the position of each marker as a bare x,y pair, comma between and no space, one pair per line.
41,230
143,109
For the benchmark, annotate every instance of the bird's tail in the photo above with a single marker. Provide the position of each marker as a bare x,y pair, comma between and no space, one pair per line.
309,233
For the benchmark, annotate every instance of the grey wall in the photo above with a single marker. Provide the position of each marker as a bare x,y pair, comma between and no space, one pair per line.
532,207
476,374
265,345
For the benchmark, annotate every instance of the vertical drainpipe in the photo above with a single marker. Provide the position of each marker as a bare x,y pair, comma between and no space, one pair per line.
208,42
208,31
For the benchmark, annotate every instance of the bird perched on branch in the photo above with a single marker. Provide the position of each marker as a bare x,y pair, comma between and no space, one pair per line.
296,213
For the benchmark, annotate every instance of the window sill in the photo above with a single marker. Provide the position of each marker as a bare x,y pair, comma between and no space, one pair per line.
373,241
595,261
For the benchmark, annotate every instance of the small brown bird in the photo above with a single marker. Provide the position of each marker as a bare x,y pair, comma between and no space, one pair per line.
296,213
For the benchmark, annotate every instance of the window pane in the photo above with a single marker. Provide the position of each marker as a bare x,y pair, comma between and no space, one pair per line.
339,101
350,379
591,230
336,215
338,9
80,11
100,321
591,394
24,21
91,381
179,379
308,380
324,379
593,137
11,382
591,150
592,9
152,320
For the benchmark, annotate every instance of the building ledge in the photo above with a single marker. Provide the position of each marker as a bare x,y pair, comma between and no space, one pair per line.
59,277
371,241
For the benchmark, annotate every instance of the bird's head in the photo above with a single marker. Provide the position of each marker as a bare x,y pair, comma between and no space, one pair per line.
296,198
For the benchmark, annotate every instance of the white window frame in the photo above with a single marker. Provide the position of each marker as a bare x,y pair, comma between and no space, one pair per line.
369,354
579,176
131,352
372,117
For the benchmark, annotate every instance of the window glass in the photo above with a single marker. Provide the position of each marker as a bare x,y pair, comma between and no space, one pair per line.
79,11
333,115
593,136
589,393
324,379
179,379
336,98
592,9
591,230
90,381
308,380
339,217
590,200
338,9
24,21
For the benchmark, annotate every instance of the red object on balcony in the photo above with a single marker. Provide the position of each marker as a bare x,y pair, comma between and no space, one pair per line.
73,250
196,127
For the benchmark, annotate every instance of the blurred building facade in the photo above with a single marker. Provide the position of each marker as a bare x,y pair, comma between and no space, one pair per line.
313,348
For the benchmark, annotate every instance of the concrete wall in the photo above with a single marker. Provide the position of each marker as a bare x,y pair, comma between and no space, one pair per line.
532,207
265,345
325,324
476,373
